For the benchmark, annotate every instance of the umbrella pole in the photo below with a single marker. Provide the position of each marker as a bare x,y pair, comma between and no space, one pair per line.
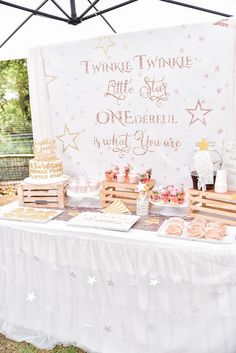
73,9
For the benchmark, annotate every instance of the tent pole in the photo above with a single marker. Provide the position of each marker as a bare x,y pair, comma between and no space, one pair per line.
22,24
87,10
73,10
60,8
34,12
197,8
107,10
104,18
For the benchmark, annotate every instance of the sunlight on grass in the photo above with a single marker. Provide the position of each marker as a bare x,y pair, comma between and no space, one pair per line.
9,346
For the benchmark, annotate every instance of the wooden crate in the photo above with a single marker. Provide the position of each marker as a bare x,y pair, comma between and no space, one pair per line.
126,192
39,195
213,206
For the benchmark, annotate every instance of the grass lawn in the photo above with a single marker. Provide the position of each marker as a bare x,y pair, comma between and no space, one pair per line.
8,346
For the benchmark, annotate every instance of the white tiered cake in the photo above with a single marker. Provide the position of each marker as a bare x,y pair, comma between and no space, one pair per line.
45,164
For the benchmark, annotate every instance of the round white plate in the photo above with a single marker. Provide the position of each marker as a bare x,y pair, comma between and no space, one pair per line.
60,179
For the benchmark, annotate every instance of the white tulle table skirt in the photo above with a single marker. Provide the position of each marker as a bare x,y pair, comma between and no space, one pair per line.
110,292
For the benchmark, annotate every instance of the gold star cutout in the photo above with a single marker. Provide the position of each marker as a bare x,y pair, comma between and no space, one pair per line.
151,221
105,43
141,187
69,139
203,145
198,113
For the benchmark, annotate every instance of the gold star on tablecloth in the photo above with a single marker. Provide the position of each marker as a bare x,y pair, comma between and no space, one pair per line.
69,139
198,113
105,43
151,221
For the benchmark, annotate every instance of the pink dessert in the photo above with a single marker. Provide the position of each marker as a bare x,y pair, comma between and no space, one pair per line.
175,226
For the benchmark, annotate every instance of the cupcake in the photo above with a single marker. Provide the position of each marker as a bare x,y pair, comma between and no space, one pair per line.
133,177
121,177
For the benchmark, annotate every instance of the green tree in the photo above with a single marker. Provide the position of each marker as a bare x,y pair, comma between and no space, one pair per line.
15,115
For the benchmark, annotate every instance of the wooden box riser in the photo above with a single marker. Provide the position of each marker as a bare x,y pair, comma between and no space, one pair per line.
213,206
126,192
44,196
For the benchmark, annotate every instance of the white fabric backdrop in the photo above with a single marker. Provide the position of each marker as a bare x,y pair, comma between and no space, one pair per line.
110,292
191,98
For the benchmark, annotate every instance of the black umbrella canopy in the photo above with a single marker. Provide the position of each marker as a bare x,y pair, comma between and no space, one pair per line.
25,23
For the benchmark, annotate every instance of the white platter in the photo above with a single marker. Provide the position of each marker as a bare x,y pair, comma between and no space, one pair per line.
20,218
228,239
111,221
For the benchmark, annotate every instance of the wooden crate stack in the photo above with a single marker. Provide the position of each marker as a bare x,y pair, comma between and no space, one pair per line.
126,192
213,206
42,195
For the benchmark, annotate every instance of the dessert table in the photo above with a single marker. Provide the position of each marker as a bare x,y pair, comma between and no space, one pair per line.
114,292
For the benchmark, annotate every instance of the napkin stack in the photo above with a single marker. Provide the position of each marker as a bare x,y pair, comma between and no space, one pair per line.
117,206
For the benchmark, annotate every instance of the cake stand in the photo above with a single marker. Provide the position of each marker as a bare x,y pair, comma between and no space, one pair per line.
169,209
60,179
84,199
83,195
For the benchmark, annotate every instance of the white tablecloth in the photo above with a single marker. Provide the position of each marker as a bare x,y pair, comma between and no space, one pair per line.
111,292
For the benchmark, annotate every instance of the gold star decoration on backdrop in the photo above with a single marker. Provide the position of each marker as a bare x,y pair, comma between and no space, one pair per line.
69,139
105,43
203,145
49,78
198,113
